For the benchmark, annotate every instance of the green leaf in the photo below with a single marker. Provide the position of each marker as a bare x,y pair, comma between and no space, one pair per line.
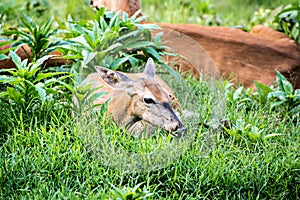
14,95
297,95
229,96
272,135
147,34
276,104
5,93
5,42
279,79
135,15
116,64
129,34
42,76
4,57
115,20
103,24
88,56
138,44
171,71
278,94
41,91
70,87
263,91
6,79
39,62
296,109
287,86
237,93
153,53
16,59
113,47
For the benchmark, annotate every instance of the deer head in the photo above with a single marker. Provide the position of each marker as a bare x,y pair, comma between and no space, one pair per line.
141,101
129,6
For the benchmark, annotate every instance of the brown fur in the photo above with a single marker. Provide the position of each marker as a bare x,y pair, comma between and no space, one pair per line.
128,94
129,6
98,81
248,56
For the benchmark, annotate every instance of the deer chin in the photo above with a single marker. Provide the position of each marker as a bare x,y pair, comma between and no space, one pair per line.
178,133
141,126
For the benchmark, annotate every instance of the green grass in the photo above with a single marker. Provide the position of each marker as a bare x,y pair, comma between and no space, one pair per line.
50,154
54,159
208,12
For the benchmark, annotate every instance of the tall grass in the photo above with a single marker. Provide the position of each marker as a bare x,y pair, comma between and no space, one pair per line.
52,159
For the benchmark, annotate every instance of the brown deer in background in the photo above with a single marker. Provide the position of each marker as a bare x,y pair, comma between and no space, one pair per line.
246,56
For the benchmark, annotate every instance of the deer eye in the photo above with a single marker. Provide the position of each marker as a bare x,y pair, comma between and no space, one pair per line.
149,101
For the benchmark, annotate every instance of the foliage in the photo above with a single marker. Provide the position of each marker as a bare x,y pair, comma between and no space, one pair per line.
50,158
39,10
113,40
183,11
13,8
29,87
262,16
230,10
3,52
285,95
288,20
130,193
38,38
84,95
284,99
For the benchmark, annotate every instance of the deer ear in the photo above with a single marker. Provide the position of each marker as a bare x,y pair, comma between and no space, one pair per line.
149,71
111,77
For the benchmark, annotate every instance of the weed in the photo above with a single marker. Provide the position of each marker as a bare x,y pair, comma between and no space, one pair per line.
288,21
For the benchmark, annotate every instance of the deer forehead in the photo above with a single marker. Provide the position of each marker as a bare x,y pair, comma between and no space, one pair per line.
155,90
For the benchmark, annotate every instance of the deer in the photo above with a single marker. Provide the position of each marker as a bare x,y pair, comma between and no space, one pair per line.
229,52
128,6
138,101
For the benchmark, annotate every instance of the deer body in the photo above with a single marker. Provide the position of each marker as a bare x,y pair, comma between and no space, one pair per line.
249,56
138,101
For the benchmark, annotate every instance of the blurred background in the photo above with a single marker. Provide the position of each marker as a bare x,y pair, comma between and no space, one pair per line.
244,13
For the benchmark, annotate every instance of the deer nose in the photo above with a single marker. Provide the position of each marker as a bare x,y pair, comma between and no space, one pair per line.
179,131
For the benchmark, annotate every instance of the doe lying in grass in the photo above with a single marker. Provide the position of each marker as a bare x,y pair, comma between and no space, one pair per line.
138,101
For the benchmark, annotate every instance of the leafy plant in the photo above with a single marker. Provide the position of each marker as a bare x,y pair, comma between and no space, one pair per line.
130,193
239,96
28,87
262,92
288,21
3,52
241,129
285,95
114,40
262,16
84,97
38,38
